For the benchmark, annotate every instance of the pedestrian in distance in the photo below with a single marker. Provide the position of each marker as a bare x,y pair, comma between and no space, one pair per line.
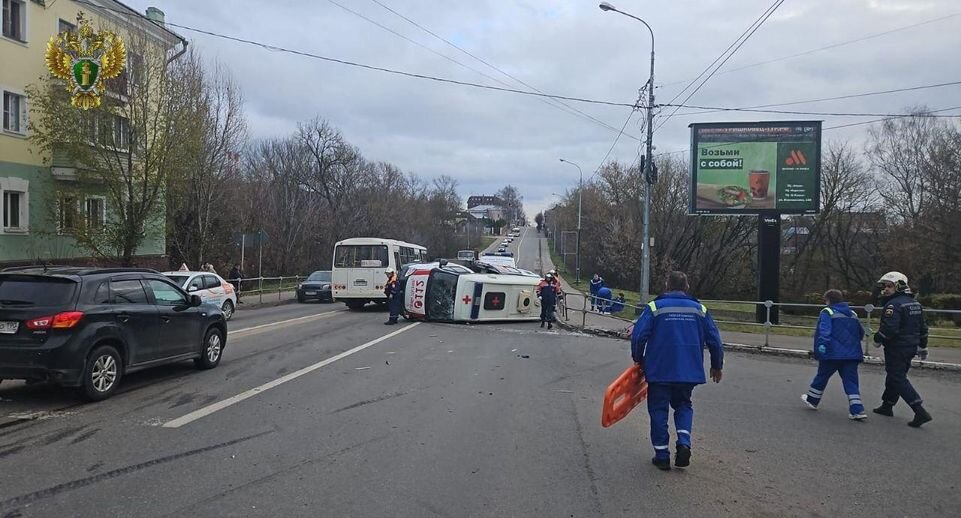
547,293
234,276
668,343
392,291
903,334
837,347
604,298
596,284
207,267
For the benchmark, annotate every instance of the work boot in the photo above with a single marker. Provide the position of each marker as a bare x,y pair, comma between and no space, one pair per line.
542,324
682,458
662,464
921,416
885,409
390,323
550,325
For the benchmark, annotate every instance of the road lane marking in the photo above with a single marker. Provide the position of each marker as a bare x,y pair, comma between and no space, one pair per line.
318,316
520,245
220,405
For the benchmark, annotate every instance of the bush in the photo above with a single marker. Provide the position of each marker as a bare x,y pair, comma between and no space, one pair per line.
943,301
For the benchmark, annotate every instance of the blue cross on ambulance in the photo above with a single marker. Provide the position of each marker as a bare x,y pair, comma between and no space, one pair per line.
489,293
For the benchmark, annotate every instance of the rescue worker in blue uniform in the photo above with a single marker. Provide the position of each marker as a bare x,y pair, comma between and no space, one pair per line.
596,284
604,298
903,334
668,342
618,304
392,290
548,292
837,347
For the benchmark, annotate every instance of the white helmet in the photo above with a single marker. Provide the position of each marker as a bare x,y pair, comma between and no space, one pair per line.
389,271
898,279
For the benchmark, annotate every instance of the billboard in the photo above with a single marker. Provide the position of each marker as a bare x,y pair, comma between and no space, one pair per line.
756,167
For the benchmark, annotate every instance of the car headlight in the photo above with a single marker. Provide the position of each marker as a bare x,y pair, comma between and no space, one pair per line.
326,286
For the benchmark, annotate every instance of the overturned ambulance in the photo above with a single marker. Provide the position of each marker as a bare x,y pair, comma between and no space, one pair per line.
444,294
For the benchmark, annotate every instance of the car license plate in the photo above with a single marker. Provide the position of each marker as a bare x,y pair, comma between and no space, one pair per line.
9,328
310,293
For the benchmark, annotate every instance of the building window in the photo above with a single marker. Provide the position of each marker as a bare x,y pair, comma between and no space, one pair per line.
65,26
66,214
95,213
121,132
12,205
15,19
14,106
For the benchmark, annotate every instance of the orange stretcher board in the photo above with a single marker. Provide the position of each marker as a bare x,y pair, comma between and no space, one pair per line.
625,393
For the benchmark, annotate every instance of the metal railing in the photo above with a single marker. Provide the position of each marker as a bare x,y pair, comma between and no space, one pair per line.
261,286
943,324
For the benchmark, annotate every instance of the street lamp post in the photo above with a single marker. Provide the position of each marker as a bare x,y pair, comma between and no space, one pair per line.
648,163
577,250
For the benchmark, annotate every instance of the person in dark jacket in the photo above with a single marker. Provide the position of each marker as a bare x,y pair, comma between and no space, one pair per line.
392,290
234,276
668,342
548,295
904,335
596,284
617,305
837,347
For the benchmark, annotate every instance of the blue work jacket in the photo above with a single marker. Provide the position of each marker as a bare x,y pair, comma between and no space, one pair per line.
669,339
839,334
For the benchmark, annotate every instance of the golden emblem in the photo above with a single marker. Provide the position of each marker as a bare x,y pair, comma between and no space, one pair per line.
85,59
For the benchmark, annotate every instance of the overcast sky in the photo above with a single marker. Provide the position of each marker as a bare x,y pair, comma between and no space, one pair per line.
487,139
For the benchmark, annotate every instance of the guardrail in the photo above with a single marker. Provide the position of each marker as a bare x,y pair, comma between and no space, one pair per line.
943,327
260,286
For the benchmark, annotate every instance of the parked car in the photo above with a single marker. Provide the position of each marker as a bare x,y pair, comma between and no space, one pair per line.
212,288
315,287
90,327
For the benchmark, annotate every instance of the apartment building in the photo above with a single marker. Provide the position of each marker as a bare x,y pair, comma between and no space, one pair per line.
36,219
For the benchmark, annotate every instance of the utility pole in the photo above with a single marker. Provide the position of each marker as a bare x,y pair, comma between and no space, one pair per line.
648,164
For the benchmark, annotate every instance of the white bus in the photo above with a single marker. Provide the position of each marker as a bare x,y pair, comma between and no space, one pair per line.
358,273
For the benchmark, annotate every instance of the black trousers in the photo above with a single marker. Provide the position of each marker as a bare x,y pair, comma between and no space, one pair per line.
897,362
547,312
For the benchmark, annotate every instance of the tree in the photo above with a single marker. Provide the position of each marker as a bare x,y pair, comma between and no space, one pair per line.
125,150
201,217
539,219
513,203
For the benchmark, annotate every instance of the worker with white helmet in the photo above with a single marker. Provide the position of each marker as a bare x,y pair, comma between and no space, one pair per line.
904,335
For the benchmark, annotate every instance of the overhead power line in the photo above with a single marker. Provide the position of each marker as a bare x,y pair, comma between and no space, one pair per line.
826,47
840,126
825,99
276,48
791,112
757,25
498,69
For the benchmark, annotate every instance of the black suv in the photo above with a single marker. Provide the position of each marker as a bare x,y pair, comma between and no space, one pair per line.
87,327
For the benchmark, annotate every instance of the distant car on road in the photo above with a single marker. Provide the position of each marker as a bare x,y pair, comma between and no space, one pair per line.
467,255
315,287
90,327
212,288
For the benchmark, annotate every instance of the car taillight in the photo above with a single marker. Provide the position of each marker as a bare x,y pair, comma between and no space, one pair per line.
229,288
64,320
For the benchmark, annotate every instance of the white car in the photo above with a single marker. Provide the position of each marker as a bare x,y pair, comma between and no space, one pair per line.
210,287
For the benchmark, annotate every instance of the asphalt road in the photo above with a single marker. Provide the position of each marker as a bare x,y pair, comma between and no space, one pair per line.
310,415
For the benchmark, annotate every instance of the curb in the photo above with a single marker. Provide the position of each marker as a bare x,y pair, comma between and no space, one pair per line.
774,351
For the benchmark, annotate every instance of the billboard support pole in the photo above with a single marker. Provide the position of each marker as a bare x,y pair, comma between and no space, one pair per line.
769,266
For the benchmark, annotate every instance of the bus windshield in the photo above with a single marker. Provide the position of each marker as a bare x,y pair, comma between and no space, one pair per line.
361,256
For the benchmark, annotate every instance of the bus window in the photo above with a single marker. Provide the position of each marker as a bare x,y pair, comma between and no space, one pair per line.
361,256
440,295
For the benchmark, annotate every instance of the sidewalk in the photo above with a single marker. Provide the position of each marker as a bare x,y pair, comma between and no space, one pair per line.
611,325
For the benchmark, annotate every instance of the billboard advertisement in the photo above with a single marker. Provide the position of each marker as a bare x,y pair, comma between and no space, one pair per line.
756,167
